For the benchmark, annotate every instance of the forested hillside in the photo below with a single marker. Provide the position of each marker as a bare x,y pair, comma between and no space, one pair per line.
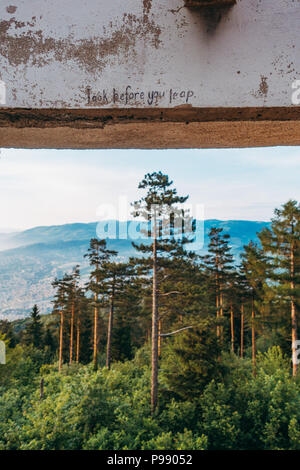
38,255
165,349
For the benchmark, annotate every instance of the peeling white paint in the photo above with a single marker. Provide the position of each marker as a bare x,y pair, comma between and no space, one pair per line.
53,52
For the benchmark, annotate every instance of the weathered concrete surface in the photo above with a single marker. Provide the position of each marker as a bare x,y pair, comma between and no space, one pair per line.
73,54
148,74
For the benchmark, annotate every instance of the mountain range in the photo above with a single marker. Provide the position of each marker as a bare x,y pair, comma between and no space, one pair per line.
31,259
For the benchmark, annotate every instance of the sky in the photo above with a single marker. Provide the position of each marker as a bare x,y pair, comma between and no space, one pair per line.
53,187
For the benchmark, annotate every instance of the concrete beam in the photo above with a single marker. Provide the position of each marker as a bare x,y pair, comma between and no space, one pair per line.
149,73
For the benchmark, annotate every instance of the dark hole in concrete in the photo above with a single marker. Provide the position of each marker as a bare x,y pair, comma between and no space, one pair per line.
208,3
211,11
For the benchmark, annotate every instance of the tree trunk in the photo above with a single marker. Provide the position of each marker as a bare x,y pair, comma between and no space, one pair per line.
242,331
61,339
42,389
159,338
95,333
253,341
221,314
110,326
72,334
232,328
78,340
218,312
154,377
293,314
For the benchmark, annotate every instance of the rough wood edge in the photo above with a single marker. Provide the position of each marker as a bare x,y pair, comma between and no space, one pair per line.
99,118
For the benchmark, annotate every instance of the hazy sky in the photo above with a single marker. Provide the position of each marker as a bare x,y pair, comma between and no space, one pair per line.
47,187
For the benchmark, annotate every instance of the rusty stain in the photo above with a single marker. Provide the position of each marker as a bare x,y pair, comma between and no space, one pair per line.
263,87
11,9
93,53
181,23
147,4
176,10
5,25
281,67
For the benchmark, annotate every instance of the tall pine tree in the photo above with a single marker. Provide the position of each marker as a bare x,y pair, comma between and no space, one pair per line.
282,244
34,330
97,254
159,208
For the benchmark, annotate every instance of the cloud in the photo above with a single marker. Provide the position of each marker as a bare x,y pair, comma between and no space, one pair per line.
45,187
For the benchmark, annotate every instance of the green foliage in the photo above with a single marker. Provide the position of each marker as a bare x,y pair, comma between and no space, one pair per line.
33,332
83,409
273,360
253,413
192,360
180,441
208,397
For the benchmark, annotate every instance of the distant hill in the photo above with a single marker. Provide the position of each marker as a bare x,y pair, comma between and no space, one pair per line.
30,260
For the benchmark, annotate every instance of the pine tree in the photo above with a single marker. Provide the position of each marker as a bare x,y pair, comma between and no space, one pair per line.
60,305
219,265
253,271
6,330
49,341
34,331
112,278
282,244
235,301
79,311
132,317
97,254
192,360
158,207
117,275
73,293
85,340
181,292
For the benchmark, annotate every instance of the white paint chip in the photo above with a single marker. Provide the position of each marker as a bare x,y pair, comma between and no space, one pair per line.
2,92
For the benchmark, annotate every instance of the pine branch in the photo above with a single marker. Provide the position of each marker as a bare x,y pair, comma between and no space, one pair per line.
177,331
171,292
